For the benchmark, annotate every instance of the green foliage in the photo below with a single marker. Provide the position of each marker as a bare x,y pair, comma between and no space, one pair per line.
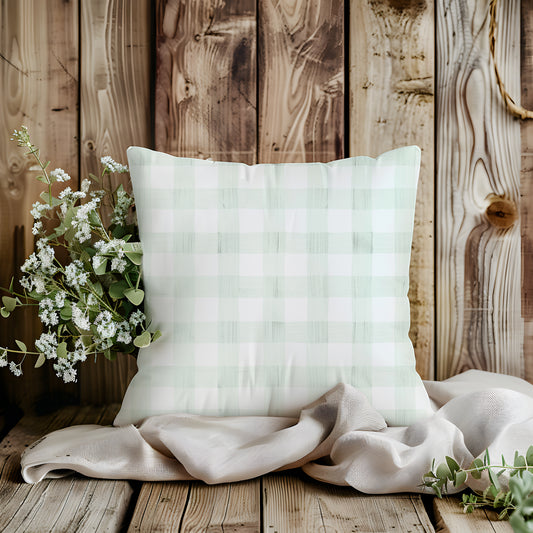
514,502
89,296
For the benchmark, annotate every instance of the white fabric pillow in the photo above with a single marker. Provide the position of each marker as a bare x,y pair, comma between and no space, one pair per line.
273,283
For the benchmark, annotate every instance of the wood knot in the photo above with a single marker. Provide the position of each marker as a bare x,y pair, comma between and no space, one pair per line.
91,145
502,213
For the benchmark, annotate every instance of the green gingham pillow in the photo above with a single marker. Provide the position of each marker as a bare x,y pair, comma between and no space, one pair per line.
273,283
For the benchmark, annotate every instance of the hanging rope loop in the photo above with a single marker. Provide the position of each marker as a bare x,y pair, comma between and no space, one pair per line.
512,106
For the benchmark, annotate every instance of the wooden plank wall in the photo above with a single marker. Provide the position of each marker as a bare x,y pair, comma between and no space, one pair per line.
479,322
292,80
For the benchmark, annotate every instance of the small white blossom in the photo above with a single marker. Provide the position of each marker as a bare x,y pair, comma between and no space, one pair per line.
46,256
80,319
37,228
39,284
3,357
47,345
118,264
31,264
65,370
60,175
137,318
91,300
123,332
105,326
124,202
85,185
38,209
112,166
27,283
75,275
15,369
60,299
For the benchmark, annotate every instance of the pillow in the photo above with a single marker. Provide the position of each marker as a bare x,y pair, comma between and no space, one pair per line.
273,283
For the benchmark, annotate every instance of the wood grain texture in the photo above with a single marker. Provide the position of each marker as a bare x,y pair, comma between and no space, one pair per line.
226,507
391,104
478,163
59,505
301,80
298,504
526,184
205,94
39,87
159,507
450,518
115,113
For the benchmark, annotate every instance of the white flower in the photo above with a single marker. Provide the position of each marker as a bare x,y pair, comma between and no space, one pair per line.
85,185
122,206
38,209
91,300
60,175
37,227
15,369
46,313
46,255
79,352
112,166
137,318
27,283
65,370
39,284
105,326
60,299
31,264
75,275
3,357
80,319
123,332
47,344
118,264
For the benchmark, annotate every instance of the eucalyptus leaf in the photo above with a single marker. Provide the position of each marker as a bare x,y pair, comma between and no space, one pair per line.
135,257
460,478
62,350
101,268
9,303
116,290
135,296
4,312
21,345
142,340
156,335
66,312
40,360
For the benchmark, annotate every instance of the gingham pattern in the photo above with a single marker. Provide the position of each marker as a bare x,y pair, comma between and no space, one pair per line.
273,283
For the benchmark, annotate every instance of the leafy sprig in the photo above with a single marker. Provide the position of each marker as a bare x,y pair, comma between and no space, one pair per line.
90,296
513,499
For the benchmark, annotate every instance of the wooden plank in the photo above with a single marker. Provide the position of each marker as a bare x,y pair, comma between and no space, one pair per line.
205,94
450,518
39,87
479,322
225,507
62,505
115,113
526,185
301,80
391,105
160,507
298,504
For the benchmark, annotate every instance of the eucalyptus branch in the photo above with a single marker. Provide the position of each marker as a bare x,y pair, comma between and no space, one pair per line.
87,303
514,501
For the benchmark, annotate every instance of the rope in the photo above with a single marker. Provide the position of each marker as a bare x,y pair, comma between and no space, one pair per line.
513,108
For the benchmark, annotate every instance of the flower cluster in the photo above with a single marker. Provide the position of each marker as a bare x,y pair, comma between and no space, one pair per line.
90,302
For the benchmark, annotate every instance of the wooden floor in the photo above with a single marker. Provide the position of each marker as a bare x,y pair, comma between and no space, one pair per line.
277,503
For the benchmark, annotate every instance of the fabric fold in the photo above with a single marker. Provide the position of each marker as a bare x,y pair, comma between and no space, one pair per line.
339,439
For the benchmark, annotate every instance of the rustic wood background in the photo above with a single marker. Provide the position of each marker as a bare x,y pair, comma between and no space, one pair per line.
291,80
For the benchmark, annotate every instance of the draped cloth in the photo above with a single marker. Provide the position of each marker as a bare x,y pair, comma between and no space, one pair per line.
339,439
